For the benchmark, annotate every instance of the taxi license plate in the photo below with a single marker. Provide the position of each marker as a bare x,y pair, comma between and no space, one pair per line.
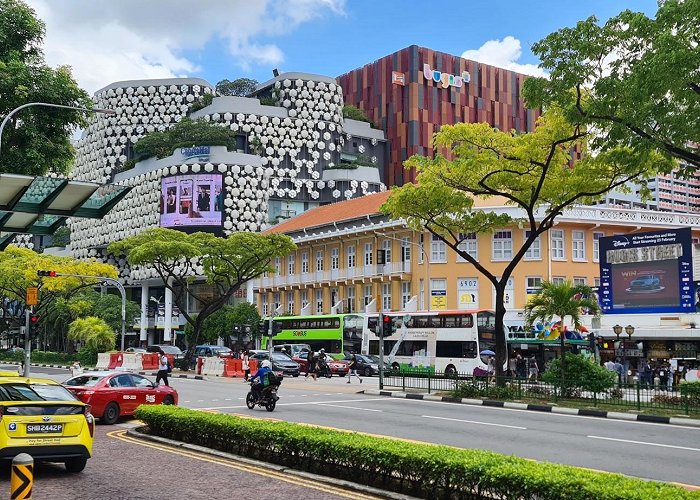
44,428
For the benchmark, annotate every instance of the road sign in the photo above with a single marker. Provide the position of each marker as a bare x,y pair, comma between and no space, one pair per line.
32,296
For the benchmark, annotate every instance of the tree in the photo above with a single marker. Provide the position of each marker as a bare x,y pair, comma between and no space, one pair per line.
37,138
226,264
18,271
635,78
583,373
94,332
533,172
562,300
242,87
229,321
355,113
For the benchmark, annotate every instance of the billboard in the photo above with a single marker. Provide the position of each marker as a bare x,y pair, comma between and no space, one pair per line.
192,201
647,272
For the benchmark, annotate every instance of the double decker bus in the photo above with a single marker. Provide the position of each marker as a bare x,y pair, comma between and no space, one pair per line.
336,333
435,341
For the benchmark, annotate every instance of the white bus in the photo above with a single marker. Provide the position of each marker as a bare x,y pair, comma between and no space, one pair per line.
447,342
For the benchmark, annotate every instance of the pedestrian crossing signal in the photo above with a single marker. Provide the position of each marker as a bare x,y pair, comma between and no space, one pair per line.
50,274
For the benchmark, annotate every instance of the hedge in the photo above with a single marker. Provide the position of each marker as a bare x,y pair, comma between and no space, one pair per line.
425,470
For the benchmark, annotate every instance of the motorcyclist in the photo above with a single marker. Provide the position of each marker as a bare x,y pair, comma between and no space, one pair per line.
322,362
258,379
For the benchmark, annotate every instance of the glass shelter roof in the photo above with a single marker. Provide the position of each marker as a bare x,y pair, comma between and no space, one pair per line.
40,205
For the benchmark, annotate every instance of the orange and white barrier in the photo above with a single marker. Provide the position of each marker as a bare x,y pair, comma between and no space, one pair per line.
233,367
102,361
213,367
149,361
131,361
115,360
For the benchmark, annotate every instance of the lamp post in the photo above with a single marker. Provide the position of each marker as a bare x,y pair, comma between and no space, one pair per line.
617,330
629,330
51,105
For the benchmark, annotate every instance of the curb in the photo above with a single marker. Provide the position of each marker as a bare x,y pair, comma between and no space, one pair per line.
632,417
360,488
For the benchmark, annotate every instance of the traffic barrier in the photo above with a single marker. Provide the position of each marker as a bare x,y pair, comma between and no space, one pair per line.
22,477
213,366
253,364
149,361
131,362
200,364
102,361
233,367
115,360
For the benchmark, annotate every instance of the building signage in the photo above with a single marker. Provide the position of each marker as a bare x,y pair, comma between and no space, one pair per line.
647,272
468,293
201,152
438,299
398,78
445,79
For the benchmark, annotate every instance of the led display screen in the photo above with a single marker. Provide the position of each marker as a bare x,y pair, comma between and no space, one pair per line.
191,201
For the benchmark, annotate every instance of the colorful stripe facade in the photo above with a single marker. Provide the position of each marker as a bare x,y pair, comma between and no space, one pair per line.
397,95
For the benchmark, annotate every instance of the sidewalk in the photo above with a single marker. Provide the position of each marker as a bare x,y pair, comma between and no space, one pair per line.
687,422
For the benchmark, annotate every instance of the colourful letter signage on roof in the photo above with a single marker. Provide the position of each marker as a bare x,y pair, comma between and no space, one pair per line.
445,79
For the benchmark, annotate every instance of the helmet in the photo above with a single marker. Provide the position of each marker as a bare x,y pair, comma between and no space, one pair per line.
323,350
266,364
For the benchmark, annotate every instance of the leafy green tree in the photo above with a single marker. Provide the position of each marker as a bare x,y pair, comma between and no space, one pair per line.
561,300
36,138
242,87
634,78
94,332
582,373
355,113
533,172
185,133
226,265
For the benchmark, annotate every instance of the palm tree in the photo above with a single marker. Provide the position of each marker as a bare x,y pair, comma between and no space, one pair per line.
561,300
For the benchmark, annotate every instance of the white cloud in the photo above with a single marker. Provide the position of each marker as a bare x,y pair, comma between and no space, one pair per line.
504,54
106,41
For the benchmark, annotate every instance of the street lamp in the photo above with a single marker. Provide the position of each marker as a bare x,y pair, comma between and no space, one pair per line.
51,105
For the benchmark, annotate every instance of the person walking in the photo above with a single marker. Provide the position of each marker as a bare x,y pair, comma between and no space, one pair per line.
352,369
491,369
520,366
162,369
534,370
671,375
246,366
311,362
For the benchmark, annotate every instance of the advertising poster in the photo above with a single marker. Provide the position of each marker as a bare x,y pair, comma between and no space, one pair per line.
191,200
647,272
468,293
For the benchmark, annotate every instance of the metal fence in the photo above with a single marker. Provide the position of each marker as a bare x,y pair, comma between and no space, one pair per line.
634,396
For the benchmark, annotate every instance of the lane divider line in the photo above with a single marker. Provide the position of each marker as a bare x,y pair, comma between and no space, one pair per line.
476,422
348,407
645,443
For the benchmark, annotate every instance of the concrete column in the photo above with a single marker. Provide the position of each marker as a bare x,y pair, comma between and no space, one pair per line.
249,295
143,332
168,332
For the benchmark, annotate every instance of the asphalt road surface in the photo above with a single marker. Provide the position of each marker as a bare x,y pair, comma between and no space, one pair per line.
647,450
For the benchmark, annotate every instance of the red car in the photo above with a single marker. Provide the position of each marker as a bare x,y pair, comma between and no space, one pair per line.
336,367
115,394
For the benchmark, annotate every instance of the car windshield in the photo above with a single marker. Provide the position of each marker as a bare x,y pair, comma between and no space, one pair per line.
170,349
35,392
366,359
220,350
84,380
278,356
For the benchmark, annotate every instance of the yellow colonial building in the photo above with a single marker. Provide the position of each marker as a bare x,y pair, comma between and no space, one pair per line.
335,268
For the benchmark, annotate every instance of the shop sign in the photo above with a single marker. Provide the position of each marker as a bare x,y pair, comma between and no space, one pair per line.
445,79
468,293
438,299
398,78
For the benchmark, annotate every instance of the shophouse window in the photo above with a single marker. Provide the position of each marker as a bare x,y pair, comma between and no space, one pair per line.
438,249
534,282
502,245
421,247
277,300
557,236
468,245
278,265
305,262
386,296
319,260
596,281
350,294
334,296
596,246
304,298
369,257
335,258
579,281
578,246
534,252
265,305
291,265
405,293
290,303
386,246
558,280
319,301
351,256
367,294
405,249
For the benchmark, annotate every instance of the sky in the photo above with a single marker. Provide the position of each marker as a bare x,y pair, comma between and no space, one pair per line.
105,41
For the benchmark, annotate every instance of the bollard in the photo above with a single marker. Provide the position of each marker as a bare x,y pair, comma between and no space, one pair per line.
22,477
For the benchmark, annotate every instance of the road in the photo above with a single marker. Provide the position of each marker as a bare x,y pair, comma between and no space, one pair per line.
647,450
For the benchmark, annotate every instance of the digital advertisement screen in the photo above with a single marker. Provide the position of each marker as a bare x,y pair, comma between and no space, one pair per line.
647,272
191,201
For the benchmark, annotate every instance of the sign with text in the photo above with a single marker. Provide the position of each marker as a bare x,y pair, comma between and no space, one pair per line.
647,272
32,296
468,293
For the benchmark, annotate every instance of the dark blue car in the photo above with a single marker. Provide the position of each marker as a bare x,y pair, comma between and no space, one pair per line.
645,282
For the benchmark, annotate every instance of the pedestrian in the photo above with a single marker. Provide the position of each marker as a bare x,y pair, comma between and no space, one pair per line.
647,374
671,374
491,368
162,369
663,375
246,366
511,367
352,369
519,366
311,365
620,371
534,370
609,365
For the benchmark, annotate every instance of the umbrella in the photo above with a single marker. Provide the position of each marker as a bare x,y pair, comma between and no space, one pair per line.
487,352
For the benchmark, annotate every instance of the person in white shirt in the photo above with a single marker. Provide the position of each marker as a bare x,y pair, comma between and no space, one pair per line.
162,369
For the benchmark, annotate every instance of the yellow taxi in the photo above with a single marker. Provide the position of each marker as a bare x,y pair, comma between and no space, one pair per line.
40,417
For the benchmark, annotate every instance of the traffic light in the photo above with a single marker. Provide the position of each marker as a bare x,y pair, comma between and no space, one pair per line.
51,274
373,325
388,325
33,325
276,327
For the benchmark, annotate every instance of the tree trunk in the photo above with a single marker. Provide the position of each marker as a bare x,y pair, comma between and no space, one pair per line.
501,346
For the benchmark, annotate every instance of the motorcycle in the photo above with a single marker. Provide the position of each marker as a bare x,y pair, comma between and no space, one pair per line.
323,370
266,397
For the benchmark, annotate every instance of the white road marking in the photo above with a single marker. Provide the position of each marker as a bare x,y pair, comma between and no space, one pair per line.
475,422
348,407
660,445
296,404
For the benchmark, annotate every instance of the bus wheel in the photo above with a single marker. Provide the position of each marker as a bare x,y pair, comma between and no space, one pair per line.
450,371
395,367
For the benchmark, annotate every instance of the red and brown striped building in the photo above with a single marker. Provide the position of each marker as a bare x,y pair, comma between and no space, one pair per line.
397,96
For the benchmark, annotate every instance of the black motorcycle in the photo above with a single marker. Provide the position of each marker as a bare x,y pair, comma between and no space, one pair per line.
266,396
323,370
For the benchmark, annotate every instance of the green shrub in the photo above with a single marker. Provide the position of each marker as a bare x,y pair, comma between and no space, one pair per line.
482,389
582,374
17,356
425,470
